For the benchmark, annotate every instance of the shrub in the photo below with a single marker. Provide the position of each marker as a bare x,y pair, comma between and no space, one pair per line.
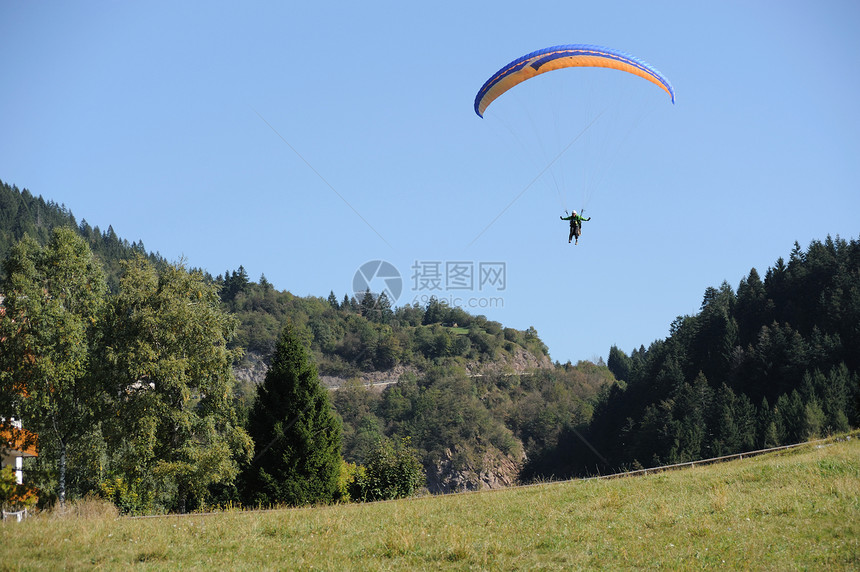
393,471
129,497
350,474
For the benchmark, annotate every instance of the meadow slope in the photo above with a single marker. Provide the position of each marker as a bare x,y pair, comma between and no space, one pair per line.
798,509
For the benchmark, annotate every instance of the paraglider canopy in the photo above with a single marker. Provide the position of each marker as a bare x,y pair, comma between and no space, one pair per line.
558,57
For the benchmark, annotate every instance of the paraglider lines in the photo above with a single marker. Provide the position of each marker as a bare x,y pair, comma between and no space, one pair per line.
538,176
317,173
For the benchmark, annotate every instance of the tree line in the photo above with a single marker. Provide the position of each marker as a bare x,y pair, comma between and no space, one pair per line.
22,213
132,395
775,362
351,336
138,400
358,333
126,458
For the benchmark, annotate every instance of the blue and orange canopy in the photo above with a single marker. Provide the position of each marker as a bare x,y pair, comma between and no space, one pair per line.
557,57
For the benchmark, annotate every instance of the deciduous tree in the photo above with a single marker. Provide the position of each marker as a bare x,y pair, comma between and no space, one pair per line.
53,297
175,428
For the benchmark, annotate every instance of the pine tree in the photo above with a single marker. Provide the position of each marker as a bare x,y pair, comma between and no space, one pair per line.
767,433
813,420
265,284
725,429
296,433
753,308
835,396
434,312
790,417
692,404
619,363
382,311
367,306
332,300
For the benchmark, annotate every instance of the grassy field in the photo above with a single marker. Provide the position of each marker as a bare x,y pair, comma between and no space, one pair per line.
794,510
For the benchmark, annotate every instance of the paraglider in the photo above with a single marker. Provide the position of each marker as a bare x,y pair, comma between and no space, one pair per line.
559,57
575,225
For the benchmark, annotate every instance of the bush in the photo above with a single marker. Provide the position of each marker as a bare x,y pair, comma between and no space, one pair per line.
393,471
350,474
129,497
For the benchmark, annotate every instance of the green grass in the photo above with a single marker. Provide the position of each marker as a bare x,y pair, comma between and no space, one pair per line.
794,510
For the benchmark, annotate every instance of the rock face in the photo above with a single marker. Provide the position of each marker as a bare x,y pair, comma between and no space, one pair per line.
374,379
522,361
252,369
496,471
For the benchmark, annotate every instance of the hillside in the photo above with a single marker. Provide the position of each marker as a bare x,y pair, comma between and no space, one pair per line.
773,362
354,338
475,398
22,213
465,387
348,338
785,511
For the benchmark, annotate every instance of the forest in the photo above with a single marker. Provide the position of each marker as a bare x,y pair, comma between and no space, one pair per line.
147,410
775,362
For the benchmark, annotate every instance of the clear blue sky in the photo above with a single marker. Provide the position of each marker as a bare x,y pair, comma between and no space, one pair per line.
174,121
